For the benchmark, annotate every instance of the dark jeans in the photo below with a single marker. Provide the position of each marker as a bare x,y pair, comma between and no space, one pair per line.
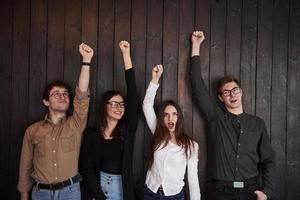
149,195
221,192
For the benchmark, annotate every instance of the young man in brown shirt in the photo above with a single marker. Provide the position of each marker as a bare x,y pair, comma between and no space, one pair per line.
50,151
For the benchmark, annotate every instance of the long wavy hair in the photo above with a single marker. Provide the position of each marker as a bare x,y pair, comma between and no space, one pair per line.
101,119
162,134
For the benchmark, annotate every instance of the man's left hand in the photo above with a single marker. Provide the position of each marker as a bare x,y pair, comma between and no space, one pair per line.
260,195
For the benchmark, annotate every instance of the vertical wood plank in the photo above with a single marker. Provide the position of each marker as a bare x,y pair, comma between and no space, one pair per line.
6,31
279,93
20,68
89,36
122,32
170,49
72,39
186,24
293,107
105,47
248,54
38,59
153,57
233,37
264,61
217,45
138,54
56,42
202,23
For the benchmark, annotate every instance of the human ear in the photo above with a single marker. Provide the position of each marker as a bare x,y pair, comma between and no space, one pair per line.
46,103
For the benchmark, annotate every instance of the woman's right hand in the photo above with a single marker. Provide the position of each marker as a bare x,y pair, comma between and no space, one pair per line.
156,73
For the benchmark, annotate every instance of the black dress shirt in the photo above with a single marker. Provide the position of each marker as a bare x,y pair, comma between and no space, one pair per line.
237,144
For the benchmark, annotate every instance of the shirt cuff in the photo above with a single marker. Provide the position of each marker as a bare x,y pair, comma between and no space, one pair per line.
153,86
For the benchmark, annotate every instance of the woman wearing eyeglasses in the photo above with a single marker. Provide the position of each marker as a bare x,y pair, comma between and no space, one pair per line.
107,150
173,152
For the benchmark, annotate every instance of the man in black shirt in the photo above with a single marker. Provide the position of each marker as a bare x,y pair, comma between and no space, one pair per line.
237,142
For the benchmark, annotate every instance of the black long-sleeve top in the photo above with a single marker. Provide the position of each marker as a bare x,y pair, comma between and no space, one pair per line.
90,158
237,144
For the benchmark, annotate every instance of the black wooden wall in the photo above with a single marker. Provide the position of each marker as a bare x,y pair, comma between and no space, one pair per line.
256,40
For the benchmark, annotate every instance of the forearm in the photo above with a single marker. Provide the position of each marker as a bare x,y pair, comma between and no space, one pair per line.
131,99
24,196
192,170
195,49
127,61
84,78
148,104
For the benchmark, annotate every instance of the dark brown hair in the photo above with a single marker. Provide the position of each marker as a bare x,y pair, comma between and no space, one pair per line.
224,80
162,134
102,114
56,83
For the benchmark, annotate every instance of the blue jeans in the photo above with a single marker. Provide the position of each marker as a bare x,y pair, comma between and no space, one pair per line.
111,185
71,192
149,195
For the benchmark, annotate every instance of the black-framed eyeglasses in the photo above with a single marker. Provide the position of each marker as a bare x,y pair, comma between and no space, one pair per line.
235,90
58,95
115,104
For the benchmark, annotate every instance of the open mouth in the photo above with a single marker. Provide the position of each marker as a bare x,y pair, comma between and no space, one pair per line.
233,101
171,125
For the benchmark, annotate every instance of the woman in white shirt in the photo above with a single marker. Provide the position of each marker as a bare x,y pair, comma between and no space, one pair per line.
172,151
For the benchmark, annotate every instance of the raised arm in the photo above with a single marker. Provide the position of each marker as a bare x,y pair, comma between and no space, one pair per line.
148,102
81,99
84,77
200,93
131,112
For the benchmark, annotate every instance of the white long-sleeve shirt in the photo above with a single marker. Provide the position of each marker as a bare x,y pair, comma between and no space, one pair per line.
169,164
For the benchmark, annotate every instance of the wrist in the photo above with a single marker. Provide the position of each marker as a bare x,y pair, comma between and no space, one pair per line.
86,60
155,81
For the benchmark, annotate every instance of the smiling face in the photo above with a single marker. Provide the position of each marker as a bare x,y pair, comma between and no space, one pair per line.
231,96
170,118
115,108
58,100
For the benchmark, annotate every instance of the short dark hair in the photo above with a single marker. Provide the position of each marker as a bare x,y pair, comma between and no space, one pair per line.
226,79
56,83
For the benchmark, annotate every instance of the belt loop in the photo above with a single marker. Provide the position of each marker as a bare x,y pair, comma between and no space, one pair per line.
71,180
37,186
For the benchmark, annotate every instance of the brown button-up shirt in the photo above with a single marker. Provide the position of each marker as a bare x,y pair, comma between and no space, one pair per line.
50,151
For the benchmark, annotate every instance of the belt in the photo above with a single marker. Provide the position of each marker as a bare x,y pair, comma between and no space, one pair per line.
59,185
237,184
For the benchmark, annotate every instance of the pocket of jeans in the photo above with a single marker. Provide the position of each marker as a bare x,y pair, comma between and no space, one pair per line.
68,143
39,146
74,187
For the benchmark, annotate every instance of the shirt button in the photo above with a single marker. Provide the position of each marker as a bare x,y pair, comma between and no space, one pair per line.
55,164
54,151
242,131
236,169
237,156
56,178
239,144
53,139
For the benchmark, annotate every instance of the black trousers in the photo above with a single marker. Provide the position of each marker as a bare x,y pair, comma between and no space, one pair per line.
221,192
